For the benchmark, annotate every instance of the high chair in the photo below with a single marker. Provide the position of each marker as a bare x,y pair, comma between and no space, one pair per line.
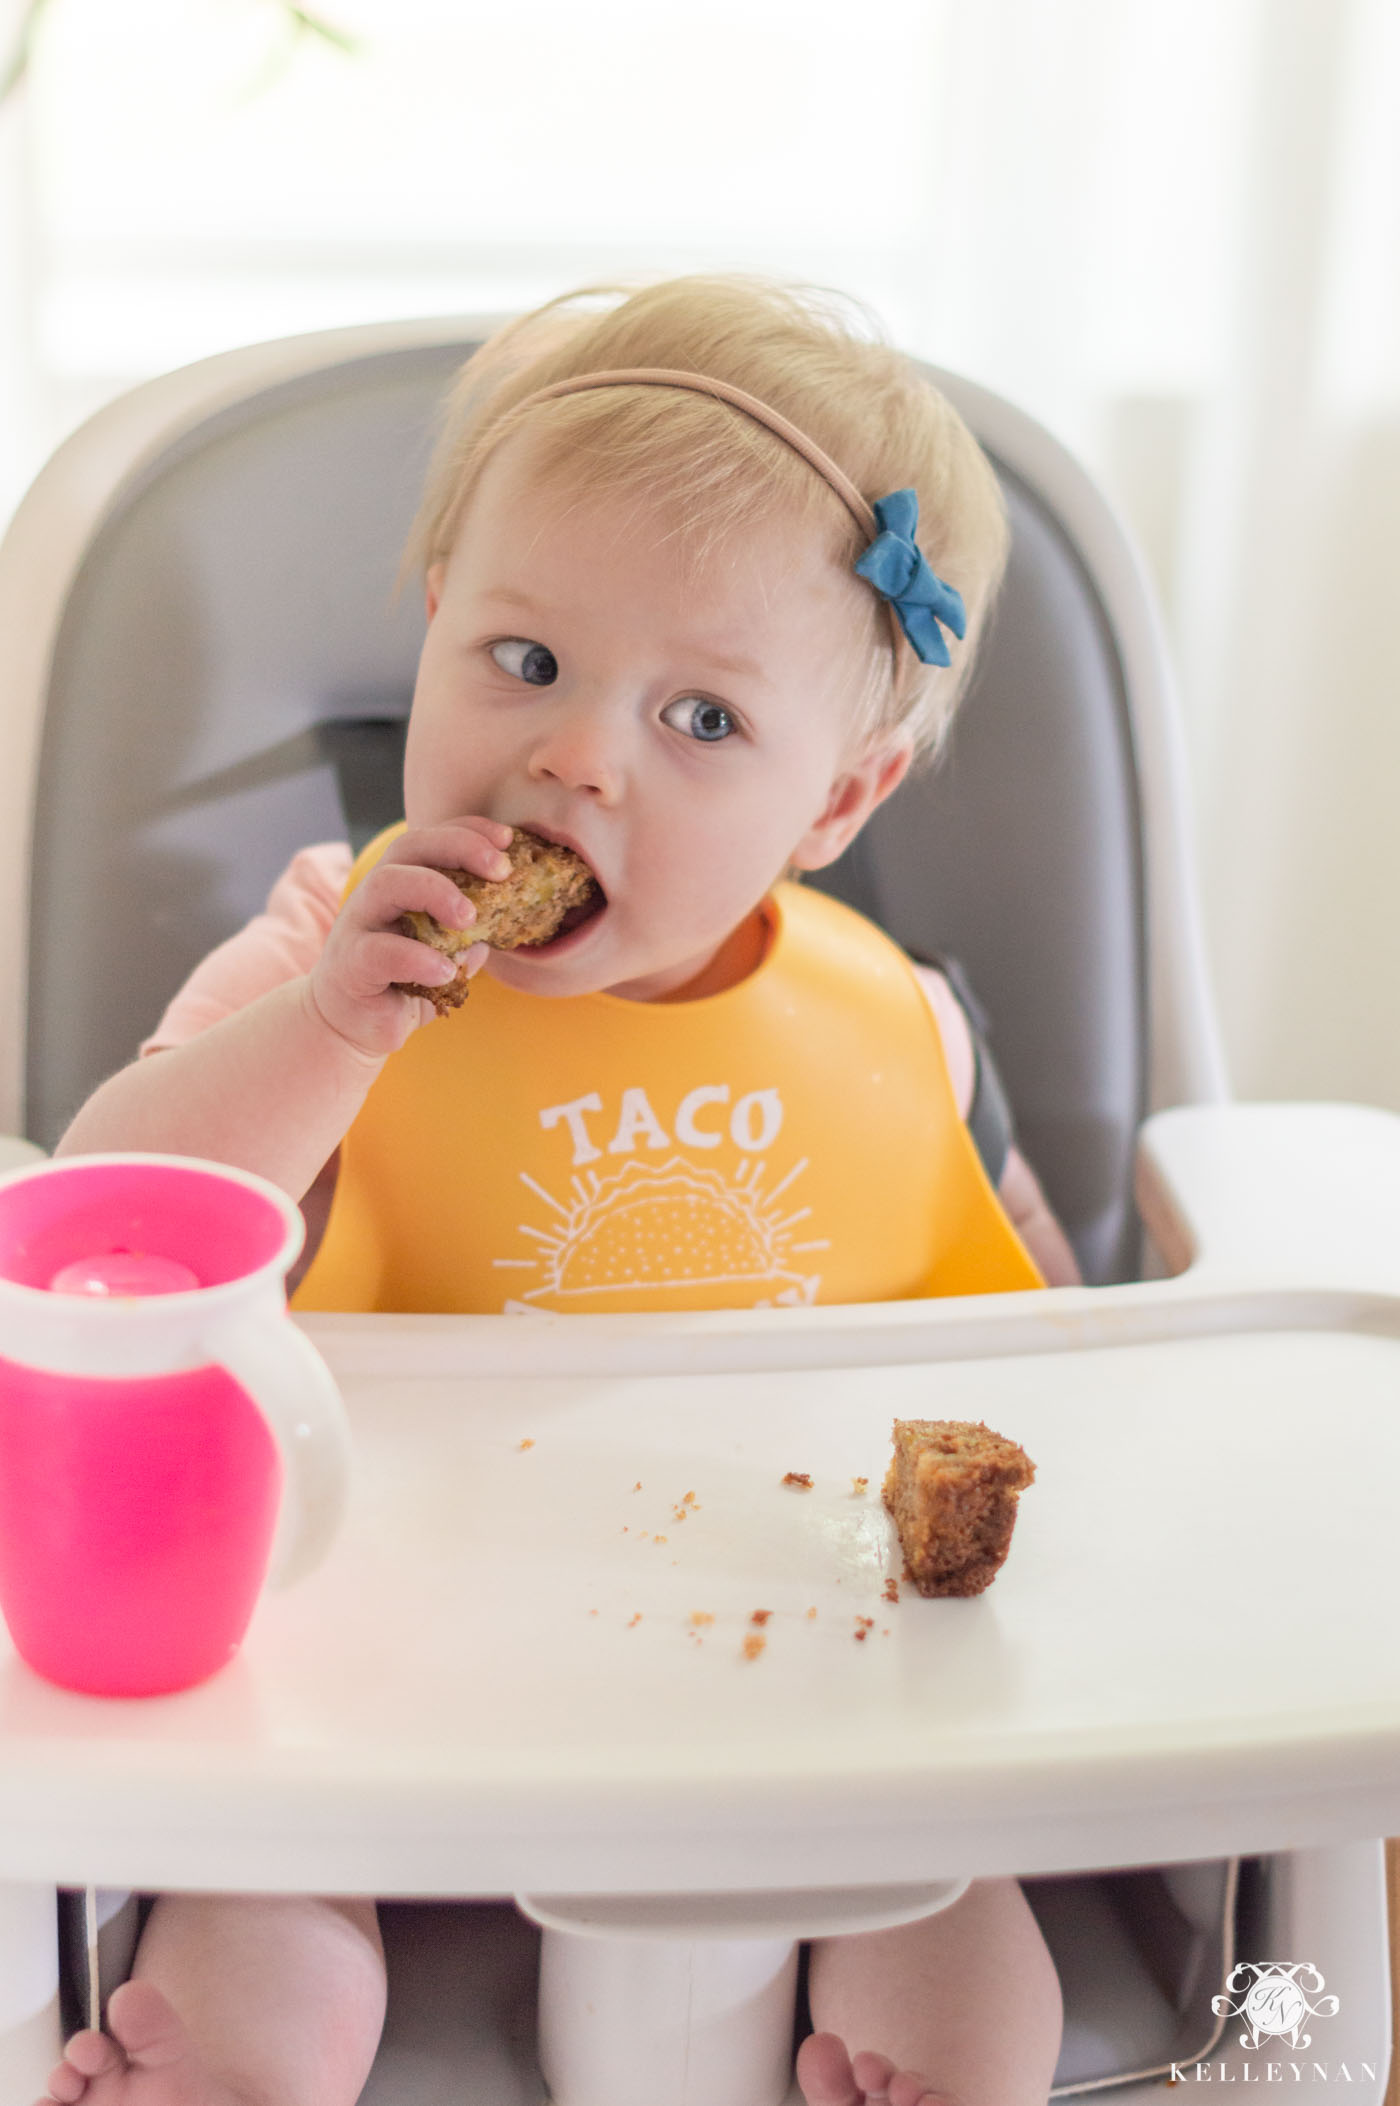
1169,1714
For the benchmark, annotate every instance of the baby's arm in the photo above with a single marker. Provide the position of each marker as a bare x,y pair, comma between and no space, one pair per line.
274,1087
1019,1189
270,1089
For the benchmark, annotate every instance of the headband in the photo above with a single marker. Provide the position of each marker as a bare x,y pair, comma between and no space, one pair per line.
918,599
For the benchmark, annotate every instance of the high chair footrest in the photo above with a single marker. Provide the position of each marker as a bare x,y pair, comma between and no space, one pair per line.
793,1912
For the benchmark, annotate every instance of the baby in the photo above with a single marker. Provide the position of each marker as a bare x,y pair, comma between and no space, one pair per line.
705,571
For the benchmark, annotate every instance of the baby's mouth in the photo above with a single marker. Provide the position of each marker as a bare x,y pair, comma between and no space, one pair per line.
574,918
582,911
586,910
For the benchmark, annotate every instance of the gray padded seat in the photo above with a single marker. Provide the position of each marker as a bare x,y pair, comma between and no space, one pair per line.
242,595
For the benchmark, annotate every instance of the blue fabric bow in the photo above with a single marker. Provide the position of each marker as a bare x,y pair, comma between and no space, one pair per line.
895,565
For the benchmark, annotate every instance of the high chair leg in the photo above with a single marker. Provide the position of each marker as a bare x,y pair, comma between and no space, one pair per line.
31,2036
690,1997
628,2021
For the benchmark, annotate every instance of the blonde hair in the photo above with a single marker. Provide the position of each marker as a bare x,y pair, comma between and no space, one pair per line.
710,471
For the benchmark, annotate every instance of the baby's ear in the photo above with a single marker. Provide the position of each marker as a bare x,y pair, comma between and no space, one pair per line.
432,587
854,796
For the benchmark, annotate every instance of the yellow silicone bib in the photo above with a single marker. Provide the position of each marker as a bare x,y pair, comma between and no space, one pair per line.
789,1141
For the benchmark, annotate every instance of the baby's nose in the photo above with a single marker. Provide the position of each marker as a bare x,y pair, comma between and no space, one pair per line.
581,751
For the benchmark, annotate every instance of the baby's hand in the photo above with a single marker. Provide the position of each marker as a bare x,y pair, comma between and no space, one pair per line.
353,981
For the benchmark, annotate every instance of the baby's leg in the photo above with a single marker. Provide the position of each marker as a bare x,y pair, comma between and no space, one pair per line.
966,2004
258,2000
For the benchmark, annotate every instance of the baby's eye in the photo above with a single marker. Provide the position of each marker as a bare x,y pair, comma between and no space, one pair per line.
534,663
699,719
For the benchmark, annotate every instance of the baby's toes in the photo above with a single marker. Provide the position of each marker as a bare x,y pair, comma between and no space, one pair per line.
65,2085
908,2088
87,2055
824,2072
92,2054
873,2074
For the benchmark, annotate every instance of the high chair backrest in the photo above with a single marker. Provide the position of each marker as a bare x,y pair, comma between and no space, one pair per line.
206,668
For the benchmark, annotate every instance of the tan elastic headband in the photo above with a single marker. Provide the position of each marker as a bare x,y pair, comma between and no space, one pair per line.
701,384
921,605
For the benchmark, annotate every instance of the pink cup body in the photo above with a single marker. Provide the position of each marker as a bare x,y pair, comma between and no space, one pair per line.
136,1517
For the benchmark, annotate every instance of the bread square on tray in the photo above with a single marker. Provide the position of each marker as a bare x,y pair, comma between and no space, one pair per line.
952,1489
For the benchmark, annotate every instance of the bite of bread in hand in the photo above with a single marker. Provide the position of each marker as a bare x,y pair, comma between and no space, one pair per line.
546,884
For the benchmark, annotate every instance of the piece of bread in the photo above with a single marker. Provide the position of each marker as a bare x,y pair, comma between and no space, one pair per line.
527,907
952,1489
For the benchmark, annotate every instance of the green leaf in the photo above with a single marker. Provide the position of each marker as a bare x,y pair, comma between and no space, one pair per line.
317,26
17,64
300,20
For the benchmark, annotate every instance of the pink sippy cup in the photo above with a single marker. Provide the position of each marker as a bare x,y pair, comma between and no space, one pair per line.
165,1429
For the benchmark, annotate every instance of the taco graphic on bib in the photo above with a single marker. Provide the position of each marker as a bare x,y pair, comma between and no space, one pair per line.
683,1233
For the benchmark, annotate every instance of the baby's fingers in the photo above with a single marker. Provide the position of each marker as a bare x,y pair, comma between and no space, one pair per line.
438,997
394,889
389,960
476,845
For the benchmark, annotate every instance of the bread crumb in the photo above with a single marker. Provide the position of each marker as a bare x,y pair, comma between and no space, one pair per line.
638,1485
658,1539
810,1614
635,1620
701,1617
864,1626
753,1645
799,1479
760,1617
527,1444
687,1498
891,1589
859,1487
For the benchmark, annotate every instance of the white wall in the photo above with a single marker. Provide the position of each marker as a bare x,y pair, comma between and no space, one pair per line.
1172,232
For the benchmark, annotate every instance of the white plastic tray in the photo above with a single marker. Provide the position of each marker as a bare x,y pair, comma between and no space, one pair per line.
498,1683
1184,1655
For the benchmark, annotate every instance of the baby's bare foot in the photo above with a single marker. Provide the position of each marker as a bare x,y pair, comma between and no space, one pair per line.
831,2077
150,2060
